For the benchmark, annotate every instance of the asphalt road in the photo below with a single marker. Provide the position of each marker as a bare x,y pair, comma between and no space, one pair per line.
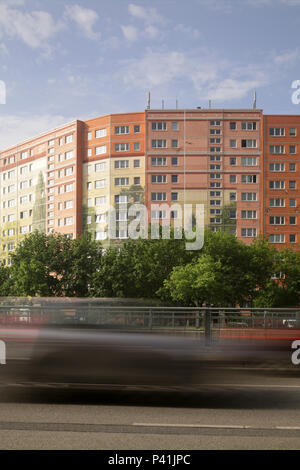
246,411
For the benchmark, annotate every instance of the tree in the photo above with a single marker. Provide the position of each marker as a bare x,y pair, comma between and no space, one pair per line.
226,273
47,265
139,267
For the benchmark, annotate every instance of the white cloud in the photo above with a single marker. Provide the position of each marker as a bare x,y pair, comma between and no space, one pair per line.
287,58
211,78
149,15
85,19
187,30
34,28
17,128
152,32
3,49
130,33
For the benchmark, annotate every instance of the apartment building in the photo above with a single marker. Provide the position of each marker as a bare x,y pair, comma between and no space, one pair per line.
241,165
209,157
281,182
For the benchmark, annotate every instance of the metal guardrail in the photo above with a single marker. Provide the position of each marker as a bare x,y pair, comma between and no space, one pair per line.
96,313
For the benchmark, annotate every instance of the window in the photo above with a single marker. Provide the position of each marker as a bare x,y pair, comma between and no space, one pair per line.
232,179
158,179
215,149
174,196
292,238
292,184
136,163
248,232
276,131
249,161
88,219
292,166
279,202
89,152
121,181
100,218
122,130
214,185
292,132
68,188
276,184
292,220
215,123
136,180
69,138
24,155
232,196
276,149
215,193
159,126
174,144
69,155
68,204
100,235
249,197
276,166
215,158
136,146
174,161
248,214
248,143
159,143
137,129
232,214
100,133
121,147
100,166
174,179
100,184
121,199
232,143
121,233
119,164
292,202
11,159
158,161
232,161
215,131
248,179
69,171
292,149
215,202
214,167
158,196
99,201
215,140
174,126
276,238
68,220
232,126
249,126
277,220
61,141
100,150
89,136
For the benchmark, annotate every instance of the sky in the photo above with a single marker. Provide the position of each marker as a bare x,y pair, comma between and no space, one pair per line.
62,60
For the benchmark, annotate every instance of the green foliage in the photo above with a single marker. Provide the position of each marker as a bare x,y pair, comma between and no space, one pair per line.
139,267
47,265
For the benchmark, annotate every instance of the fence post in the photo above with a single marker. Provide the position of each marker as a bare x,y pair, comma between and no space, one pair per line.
207,326
150,318
197,320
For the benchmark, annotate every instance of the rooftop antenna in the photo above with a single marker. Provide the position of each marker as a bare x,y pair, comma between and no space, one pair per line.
162,104
176,104
209,104
254,103
149,100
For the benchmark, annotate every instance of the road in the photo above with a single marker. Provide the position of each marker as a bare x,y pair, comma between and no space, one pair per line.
248,411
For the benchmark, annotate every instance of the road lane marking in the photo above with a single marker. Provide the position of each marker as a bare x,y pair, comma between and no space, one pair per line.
165,425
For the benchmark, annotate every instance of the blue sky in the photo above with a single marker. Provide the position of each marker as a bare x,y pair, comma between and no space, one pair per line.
62,60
